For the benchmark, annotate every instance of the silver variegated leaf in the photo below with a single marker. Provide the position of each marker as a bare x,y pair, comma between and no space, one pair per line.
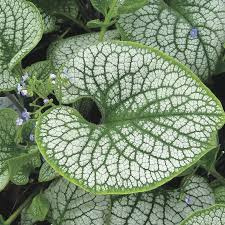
41,69
47,173
214,215
160,206
192,31
70,205
158,119
21,29
61,51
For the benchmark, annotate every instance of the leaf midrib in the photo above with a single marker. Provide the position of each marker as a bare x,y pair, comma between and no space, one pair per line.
158,115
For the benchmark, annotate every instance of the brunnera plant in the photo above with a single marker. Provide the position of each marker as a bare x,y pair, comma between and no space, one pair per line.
104,116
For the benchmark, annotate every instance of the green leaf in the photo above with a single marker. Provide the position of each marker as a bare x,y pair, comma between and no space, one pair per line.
4,177
71,205
61,51
41,69
208,161
219,193
65,8
22,166
7,145
190,30
49,22
158,119
162,206
39,207
21,29
27,218
214,215
101,5
129,6
47,173
95,24
220,68
5,102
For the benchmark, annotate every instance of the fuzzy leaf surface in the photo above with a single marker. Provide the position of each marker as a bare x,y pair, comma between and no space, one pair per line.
157,120
162,206
21,29
190,30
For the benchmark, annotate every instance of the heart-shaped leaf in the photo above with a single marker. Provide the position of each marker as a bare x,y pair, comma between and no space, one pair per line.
157,120
63,50
214,215
161,206
21,28
190,30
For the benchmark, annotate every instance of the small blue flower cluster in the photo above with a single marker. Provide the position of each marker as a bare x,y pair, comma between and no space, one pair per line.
25,116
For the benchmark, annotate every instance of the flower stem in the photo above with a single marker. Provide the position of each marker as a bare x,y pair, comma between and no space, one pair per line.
107,21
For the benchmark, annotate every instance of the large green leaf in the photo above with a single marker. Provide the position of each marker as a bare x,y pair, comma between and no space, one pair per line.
61,51
157,120
190,30
161,206
21,29
214,215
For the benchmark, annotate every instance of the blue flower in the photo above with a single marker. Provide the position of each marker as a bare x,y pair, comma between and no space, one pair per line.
24,92
46,100
19,88
19,121
52,76
25,115
32,138
25,77
194,32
